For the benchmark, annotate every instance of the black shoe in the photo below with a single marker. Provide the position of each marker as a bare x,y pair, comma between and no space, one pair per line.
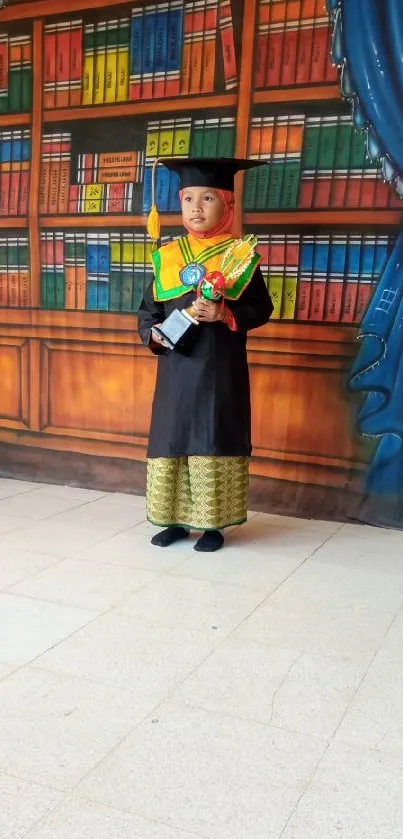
212,540
167,537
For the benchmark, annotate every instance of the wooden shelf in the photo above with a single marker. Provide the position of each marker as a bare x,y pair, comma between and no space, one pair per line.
324,217
310,93
132,109
41,8
11,221
11,120
106,221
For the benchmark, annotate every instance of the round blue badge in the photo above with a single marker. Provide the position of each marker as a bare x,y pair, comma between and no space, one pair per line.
191,274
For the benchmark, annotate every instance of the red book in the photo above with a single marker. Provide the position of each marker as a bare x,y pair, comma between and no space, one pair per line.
320,58
49,67
276,250
76,61
289,56
368,189
74,197
349,300
115,198
5,179
274,55
353,189
306,190
261,56
334,298
338,190
304,53
263,249
4,65
322,189
187,48
292,250
62,64
303,296
385,195
331,74
14,192
228,45
208,58
24,194
394,200
364,294
52,250
318,294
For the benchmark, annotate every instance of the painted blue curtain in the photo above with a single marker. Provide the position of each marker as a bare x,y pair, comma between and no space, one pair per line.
368,46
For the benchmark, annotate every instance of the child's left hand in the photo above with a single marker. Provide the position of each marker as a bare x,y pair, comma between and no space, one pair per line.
207,311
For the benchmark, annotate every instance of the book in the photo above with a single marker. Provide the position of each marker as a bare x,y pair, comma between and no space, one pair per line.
226,24
55,173
4,72
52,278
14,271
20,73
98,271
15,162
88,65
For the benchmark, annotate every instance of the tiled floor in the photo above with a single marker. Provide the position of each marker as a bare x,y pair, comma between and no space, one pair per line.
256,693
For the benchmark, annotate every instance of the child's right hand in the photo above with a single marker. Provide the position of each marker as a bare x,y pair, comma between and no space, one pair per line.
156,338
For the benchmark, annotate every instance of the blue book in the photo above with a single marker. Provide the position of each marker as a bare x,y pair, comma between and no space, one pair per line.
147,189
306,257
367,258
353,257
337,256
103,293
98,259
136,42
321,255
147,63
381,255
5,153
175,37
161,42
92,295
174,204
162,188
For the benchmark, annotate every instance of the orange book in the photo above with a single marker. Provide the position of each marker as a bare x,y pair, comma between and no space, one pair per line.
80,287
13,289
209,47
278,11
24,290
70,280
14,192
62,64
196,59
54,184
3,289
76,61
64,186
49,67
187,49
228,45
44,187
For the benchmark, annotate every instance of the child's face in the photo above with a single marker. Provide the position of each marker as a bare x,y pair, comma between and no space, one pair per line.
202,208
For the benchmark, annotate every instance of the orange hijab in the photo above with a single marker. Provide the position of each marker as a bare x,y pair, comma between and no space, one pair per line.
226,220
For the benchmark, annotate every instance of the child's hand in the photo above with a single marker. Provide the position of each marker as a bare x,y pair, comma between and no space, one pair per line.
207,311
156,339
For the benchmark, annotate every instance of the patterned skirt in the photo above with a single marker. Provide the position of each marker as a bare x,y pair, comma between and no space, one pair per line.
201,493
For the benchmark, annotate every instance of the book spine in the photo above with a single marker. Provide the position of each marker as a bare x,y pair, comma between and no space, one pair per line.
305,278
63,58
209,47
174,48
136,52
100,35
111,61
76,62
148,52
4,73
198,35
88,64
276,37
160,51
123,61
228,45
289,54
187,48
304,52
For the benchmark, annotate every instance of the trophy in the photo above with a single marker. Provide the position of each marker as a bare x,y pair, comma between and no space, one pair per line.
180,329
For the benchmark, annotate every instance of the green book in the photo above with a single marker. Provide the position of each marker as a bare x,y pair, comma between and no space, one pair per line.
115,284
26,89
127,288
138,288
4,108
343,143
290,184
311,143
262,186
327,143
275,184
210,138
196,138
249,189
59,290
226,138
48,289
15,90
357,149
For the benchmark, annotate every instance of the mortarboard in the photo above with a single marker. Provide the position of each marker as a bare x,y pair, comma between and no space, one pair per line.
210,172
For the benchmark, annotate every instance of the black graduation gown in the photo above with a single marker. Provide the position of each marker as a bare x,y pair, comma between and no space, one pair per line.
202,401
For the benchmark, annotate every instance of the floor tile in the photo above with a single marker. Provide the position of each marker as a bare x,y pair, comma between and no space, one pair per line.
222,777
125,498
79,584
298,692
375,718
29,627
32,505
350,587
134,549
132,654
247,568
55,537
192,604
62,491
291,620
356,554
354,794
55,728
81,819
281,541
22,805
11,486
369,540
6,669
103,515
325,528
10,523
16,564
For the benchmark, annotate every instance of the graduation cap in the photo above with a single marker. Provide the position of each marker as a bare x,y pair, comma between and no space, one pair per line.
210,172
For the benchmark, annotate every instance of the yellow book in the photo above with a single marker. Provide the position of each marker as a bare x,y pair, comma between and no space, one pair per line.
181,142
275,286
123,69
153,131
289,294
166,138
93,195
88,65
99,76
111,75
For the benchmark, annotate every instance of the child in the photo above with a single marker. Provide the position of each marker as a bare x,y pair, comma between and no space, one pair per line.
199,445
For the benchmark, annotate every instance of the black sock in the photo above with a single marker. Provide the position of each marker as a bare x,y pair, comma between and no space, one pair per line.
212,540
169,536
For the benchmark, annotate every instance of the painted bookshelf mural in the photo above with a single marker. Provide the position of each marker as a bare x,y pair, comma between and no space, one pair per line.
90,94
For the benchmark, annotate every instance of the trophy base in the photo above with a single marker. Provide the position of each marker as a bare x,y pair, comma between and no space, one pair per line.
179,330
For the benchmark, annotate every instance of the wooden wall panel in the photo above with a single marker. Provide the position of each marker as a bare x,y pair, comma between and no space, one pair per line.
100,391
14,377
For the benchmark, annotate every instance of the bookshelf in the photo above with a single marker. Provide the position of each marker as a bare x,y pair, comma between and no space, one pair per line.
73,370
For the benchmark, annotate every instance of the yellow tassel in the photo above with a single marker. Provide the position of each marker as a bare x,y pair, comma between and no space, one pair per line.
153,224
